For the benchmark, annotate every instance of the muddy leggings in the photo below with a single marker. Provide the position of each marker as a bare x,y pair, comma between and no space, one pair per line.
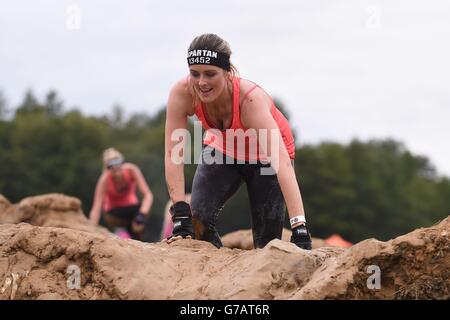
213,186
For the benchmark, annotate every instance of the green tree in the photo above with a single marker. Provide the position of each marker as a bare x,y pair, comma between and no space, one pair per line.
53,105
29,104
375,188
3,107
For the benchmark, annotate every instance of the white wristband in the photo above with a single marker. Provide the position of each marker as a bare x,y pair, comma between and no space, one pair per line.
297,219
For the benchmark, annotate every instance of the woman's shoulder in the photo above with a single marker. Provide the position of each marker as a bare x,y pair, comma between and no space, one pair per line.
131,170
103,177
246,84
181,93
249,89
130,167
181,85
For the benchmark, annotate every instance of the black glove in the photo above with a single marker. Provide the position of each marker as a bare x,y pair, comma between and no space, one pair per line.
182,220
140,218
301,237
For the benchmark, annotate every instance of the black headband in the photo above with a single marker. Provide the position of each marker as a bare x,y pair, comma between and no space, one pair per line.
210,57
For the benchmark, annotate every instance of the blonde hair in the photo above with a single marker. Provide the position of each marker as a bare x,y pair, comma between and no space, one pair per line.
110,154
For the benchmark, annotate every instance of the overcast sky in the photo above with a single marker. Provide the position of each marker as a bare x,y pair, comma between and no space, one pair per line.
344,69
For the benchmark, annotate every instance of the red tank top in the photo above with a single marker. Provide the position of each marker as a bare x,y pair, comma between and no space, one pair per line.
120,198
231,141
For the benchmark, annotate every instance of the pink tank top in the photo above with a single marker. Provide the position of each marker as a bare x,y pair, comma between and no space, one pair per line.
237,149
120,198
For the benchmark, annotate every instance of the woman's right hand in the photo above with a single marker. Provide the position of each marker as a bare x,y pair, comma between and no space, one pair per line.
182,222
173,238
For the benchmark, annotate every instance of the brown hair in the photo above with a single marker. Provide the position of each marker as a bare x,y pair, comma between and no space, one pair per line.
213,42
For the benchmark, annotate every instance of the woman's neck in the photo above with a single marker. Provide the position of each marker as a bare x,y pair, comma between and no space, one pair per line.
118,175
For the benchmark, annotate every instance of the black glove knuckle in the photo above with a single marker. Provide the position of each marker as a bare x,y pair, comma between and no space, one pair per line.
301,237
182,219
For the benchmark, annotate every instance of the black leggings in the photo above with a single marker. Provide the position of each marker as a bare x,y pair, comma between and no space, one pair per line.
214,184
123,217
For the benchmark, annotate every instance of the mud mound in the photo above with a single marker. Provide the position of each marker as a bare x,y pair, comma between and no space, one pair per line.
413,266
43,262
243,239
35,260
4,203
51,210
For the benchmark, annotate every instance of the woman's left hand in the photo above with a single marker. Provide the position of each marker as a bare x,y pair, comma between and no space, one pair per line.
137,228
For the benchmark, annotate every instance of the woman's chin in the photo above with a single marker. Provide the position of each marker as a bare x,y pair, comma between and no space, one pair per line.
206,98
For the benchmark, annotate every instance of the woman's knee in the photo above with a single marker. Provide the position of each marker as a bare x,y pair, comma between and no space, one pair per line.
202,210
266,231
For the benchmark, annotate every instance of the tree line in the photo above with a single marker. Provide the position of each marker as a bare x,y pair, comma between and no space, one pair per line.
360,190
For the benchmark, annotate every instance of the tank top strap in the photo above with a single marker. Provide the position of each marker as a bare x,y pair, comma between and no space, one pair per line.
249,91
236,94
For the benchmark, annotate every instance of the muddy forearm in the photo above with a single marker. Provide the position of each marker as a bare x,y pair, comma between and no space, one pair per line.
175,180
291,191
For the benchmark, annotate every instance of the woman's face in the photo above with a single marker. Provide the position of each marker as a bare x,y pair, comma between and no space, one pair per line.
116,171
209,81
114,166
